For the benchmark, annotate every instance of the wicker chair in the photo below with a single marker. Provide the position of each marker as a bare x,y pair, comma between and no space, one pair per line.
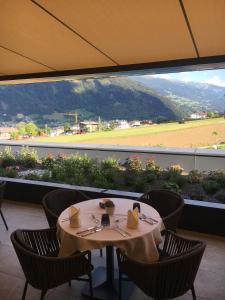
168,204
56,201
2,188
170,277
37,251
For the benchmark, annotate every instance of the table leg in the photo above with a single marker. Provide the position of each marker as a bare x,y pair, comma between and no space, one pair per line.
109,264
105,287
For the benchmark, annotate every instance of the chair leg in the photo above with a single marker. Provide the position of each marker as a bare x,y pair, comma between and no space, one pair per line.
6,226
69,283
101,252
25,290
90,285
43,292
193,293
120,286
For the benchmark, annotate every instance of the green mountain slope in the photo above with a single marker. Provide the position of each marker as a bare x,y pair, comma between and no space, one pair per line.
114,98
187,96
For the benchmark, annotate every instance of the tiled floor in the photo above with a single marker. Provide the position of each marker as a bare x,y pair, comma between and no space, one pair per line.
210,281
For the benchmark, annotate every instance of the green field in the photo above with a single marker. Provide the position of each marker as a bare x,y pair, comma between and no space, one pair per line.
131,135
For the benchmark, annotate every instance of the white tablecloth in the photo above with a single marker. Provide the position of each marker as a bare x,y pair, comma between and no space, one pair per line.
141,245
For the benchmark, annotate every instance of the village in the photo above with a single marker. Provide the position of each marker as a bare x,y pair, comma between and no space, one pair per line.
15,132
23,130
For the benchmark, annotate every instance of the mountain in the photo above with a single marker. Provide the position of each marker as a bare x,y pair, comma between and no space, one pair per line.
187,96
143,97
114,98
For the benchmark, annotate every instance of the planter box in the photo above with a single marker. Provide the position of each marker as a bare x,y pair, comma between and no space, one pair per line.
33,191
199,216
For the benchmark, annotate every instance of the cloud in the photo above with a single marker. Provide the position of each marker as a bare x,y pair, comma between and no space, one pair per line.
183,76
216,80
163,76
185,79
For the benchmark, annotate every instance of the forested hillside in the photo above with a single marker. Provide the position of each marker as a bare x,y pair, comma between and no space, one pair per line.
115,98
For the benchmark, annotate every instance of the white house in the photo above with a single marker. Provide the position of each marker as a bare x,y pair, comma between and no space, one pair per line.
135,123
5,132
56,131
122,124
198,115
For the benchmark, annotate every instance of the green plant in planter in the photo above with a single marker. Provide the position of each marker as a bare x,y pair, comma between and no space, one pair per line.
152,167
140,185
110,168
174,175
220,195
195,176
179,179
60,158
150,177
130,178
177,169
96,177
110,163
48,162
32,176
77,179
171,186
59,173
218,176
47,175
27,158
133,164
133,169
78,162
210,186
7,157
196,192
152,171
9,171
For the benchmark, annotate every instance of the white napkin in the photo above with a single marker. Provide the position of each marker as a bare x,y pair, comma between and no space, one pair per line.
132,218
74,216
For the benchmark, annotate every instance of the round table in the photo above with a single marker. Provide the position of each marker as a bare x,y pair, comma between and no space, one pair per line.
141,244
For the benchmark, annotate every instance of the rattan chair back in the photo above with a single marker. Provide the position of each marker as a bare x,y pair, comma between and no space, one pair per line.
58,200
170,277
168,204
37,251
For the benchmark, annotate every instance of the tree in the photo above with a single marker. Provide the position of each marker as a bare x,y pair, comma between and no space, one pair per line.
14,135
210,114
31,129
44,131
112,125
67,127
21,126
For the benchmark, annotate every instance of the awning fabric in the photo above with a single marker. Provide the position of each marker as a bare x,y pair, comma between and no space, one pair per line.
41,37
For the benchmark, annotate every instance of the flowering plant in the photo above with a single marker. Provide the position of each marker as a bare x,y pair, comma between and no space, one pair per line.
133,163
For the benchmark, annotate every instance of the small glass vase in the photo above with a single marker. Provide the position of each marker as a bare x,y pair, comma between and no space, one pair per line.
110,210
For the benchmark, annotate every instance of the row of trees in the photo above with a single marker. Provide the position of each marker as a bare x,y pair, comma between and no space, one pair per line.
31,129
28,130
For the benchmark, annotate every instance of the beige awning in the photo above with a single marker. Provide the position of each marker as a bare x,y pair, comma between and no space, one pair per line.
47,38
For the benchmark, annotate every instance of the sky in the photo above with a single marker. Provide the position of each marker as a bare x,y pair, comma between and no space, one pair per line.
216,77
